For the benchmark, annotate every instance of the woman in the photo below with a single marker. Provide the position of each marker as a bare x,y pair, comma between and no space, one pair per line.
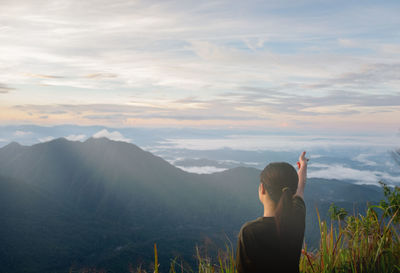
272,243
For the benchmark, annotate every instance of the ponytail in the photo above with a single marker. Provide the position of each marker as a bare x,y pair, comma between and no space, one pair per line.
283,211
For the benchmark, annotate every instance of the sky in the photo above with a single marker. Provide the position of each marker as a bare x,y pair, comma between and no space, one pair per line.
304,66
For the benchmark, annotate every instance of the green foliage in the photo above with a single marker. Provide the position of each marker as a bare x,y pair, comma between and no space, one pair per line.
155,259
337,214
391,206
369,243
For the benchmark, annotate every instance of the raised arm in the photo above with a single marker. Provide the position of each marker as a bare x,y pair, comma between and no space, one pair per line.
302,173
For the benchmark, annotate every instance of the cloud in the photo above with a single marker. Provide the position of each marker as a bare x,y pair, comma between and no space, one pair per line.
4,89
341,172
189,109
101,75
202,170
348,43
172,50
46,139
76,137
43,76
20,133
114,135
154,50
331,102
370,75
247,107
363,159
391,48
92,107
279,143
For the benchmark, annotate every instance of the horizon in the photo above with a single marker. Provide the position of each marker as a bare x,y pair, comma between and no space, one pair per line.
281,66
357,159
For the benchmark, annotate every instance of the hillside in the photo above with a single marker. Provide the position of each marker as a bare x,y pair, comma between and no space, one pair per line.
105,203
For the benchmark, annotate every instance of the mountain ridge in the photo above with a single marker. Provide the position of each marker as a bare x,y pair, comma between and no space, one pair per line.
100,195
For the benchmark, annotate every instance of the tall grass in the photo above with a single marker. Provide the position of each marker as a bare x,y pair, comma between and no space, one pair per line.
225,263
358,243
362,244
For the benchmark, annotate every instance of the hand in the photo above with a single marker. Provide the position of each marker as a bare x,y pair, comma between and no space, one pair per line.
302,163
302,173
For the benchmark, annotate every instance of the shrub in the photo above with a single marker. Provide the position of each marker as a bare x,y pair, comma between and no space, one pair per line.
369,243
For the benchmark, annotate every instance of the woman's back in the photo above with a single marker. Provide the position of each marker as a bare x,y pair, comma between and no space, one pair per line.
272,243
262,249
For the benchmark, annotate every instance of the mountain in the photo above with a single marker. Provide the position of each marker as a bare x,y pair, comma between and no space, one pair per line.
104,203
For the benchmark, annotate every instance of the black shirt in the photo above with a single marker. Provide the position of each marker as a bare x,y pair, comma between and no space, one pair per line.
260,249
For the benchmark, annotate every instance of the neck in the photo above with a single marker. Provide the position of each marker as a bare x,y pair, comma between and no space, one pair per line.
269,210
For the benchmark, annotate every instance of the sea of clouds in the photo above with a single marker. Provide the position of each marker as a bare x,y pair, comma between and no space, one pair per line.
362,159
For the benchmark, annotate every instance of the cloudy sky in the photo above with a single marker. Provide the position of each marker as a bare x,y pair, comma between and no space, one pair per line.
279,65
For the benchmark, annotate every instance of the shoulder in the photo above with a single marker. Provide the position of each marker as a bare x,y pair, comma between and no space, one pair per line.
252,226
248,225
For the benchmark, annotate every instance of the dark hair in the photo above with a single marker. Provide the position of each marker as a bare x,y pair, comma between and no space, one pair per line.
280,180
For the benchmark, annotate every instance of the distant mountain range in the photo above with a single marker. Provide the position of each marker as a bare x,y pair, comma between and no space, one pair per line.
70,204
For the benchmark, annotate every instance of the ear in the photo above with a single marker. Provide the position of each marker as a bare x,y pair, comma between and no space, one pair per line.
261,188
